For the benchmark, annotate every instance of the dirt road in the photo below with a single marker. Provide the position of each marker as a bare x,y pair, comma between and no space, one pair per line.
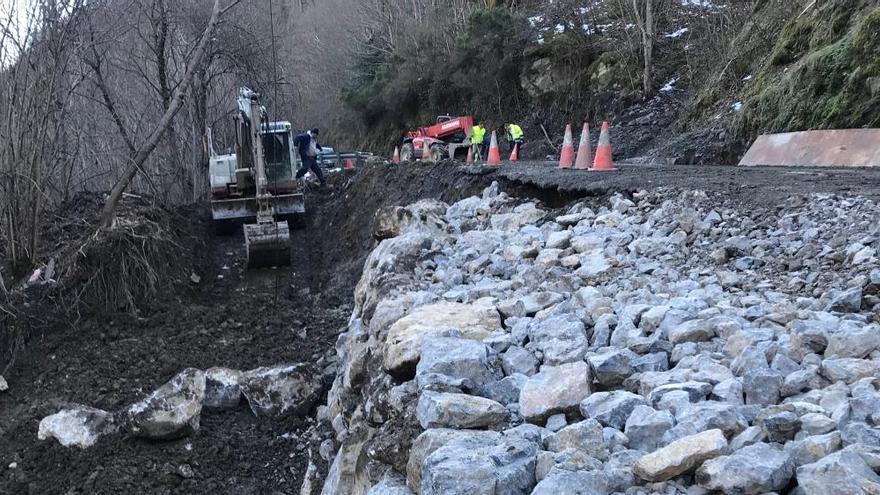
764,185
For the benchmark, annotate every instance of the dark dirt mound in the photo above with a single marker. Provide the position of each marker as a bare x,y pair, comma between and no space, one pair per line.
346,216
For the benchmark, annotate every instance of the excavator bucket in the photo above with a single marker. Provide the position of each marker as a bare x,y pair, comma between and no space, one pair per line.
267,244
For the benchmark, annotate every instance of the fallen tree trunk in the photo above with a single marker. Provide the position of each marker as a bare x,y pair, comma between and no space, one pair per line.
143,152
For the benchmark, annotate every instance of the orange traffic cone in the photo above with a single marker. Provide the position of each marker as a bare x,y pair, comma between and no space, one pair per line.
494,155
426,151
567,157
585,154
470,156
514,155
603,161
396,157
349,164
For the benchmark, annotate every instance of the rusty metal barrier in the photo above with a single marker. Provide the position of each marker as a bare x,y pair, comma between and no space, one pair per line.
832,148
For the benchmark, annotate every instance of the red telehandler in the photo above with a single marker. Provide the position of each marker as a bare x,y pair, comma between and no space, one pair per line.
448,137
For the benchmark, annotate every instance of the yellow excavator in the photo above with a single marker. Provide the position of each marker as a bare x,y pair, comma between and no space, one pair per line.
257,183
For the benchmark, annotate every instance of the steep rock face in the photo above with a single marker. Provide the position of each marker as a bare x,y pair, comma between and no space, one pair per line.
653,340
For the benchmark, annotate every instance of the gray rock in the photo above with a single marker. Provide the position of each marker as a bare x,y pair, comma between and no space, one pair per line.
656,361
585,436
853,341
222,389
841,473
645,427
696,391
780,427
813,448
800,380
452,410
518,360
78,425
612,367
391,484
817,424
469,466
729,391
847,301
692,331
282,389
172,411
537,301
559,481
611,408
555,389
750,359
856,432
619,469
755,469
614,439
556,422
681,456
507,390
749,436
562,339
592,265
431,440
762,386
848,370
3,385
558,240
710,415
453,364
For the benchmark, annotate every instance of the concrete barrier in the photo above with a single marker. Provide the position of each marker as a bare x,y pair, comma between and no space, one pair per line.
833,148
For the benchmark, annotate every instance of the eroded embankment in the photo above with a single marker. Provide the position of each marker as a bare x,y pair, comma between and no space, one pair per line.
639,344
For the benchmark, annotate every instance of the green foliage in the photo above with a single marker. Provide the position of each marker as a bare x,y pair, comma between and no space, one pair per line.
826,88
794,41
479,75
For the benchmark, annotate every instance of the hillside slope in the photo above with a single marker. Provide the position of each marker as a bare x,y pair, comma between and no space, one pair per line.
721,75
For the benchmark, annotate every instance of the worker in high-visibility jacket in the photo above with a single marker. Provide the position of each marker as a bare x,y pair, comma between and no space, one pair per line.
478,140
514,137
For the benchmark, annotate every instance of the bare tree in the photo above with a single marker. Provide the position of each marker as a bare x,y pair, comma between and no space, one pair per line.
36,89
143,153
644,17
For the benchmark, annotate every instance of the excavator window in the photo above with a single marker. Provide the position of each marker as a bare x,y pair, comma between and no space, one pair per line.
277,150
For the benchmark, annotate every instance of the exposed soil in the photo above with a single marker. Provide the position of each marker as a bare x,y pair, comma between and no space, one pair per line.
232,317
243,320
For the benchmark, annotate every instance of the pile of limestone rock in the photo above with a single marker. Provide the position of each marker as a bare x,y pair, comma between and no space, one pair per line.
668,342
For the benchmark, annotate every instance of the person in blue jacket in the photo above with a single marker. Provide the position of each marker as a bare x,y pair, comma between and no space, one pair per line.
308,147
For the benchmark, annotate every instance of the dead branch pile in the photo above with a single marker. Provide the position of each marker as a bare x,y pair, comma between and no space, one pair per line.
148,252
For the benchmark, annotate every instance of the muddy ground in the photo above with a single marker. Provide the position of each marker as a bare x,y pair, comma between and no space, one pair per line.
246,319
232,317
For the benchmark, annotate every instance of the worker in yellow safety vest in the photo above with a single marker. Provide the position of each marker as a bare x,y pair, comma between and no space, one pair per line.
514,136
478,140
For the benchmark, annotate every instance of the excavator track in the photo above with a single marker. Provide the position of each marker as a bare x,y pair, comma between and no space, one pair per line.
267,244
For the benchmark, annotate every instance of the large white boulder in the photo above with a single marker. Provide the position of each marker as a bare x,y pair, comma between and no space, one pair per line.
681,456
273,391
172,411
79,426
404,341
555,389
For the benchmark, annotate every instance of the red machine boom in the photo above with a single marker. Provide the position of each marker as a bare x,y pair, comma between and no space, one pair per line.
444,138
